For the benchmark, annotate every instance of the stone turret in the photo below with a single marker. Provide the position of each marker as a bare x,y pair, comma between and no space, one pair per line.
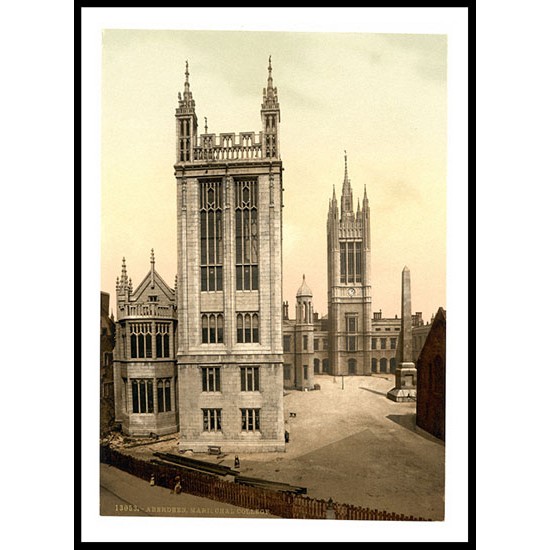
304,377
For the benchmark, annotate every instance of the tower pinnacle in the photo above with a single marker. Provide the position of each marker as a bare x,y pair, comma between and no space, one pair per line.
124,275
270,93
152,274
187,100
347,193
345,165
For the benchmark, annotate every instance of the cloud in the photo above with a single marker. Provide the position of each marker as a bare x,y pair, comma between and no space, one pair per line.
430,51
397,192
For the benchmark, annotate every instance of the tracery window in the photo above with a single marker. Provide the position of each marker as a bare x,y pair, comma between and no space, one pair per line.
211,225
246,233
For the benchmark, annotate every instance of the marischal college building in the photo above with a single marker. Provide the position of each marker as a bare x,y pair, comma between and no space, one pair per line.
209,358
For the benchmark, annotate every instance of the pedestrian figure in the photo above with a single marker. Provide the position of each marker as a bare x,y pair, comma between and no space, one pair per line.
237,462
177,486
152,482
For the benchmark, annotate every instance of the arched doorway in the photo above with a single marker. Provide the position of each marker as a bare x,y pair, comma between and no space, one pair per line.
374,364
325,365
392,365
383,365
352,366
316,364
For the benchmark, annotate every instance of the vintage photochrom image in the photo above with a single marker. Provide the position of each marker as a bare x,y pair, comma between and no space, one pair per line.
273,275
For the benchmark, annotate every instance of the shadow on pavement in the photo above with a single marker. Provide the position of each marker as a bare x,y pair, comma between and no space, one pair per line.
373,391
409,421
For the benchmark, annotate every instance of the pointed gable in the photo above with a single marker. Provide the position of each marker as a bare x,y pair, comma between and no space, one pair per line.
153,288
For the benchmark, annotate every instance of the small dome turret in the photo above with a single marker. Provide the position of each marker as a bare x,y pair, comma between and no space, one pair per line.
304,290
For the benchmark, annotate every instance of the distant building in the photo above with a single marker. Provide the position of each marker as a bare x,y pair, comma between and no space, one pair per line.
430,365
306,344
106,347
384,338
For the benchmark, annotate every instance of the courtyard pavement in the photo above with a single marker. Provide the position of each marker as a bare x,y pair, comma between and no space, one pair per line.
350,443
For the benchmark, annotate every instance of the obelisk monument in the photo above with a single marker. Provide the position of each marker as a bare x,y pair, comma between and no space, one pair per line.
405,373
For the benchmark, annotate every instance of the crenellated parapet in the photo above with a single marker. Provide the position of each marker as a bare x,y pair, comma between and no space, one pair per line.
229,147
135,310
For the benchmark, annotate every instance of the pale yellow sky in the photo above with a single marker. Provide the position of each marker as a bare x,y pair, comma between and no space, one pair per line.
381,97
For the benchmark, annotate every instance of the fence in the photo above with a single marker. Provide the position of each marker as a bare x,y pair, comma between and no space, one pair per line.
284,505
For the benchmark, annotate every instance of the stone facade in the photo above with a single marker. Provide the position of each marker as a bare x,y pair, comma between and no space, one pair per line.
430,400
384,338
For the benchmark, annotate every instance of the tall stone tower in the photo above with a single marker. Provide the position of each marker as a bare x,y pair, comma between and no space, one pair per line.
349,282
229,300
304,373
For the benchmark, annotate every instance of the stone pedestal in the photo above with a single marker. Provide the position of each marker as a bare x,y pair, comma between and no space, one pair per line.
405,384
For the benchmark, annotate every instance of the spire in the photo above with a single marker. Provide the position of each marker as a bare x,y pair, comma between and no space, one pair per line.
124,275
205,125
358,209
270,93
130,287
345,165
187,91
333,205
347,193
187,102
